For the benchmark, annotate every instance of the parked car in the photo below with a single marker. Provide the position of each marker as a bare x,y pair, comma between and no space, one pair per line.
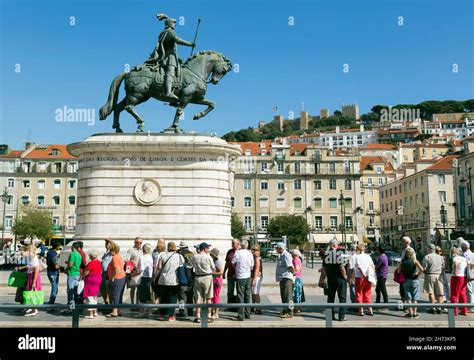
394,258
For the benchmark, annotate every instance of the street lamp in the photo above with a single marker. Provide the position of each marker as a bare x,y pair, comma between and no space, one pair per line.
5,198
443,216
343,217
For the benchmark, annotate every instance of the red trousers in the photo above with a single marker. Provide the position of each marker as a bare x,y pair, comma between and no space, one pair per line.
458,292
363,290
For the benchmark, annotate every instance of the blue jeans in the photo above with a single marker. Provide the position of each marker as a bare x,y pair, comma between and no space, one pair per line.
72,282
411,288
53,278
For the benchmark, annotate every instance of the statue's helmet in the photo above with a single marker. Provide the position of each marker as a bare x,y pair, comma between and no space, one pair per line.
170,22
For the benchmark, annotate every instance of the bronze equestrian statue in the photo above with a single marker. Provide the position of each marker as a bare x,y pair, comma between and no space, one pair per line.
163,77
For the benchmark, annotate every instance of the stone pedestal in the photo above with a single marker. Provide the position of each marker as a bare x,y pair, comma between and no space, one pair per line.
174,186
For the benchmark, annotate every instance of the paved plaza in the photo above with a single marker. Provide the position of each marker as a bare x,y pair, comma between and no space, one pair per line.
269,318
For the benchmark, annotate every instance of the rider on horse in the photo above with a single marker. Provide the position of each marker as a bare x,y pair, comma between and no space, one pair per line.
165,54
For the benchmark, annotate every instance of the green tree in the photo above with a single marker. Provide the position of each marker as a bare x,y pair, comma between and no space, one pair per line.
35,223
469,105
293,226
236,227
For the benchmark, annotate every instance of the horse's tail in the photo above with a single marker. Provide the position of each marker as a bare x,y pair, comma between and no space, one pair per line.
113,96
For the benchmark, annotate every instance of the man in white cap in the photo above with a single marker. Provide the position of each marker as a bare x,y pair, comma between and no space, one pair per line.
433,265
469,256
284,275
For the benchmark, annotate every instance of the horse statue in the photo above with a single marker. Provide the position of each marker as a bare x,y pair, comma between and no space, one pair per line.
190,86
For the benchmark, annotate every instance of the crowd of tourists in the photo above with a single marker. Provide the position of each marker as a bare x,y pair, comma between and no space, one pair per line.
195,274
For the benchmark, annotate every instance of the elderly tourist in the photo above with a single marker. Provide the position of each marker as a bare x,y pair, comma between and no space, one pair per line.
159,251
203,281
167,266
243,263
104,284
364,274
216,281
469,256
432,285
133,275
458,280
117,279
444,279
92,277
186,292
381,270
298,291
229,271
145,273
337,279
411,269
33,282
73,271
257,276
284,275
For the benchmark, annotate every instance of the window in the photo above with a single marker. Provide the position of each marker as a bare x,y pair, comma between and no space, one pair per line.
369,181
332,168
371,206
317,184
57,184
317,168
42,166
348,185
263,202
297,202
11,183
371,192
8,222
71,222
422,197
56,221
348,222
247,184
56,200
333,203
297,184
264,185
380,181
41,184
232,201
55,152
442,196
263,167
40,200
248,222
378,170
318,203
416,182
72,184
281,185
280,203
10,200
371,220
417,199
297,168
25,199
72,200
333,222
247,201
441,179
348,203
58,167
318,222
332,184
26,184
264,221
280,168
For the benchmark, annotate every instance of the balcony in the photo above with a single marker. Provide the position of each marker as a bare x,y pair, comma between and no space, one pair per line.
280,157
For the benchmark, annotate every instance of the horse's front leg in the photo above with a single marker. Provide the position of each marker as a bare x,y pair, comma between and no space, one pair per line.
210,106
187,95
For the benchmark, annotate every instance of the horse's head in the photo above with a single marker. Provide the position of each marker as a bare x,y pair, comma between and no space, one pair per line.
211,64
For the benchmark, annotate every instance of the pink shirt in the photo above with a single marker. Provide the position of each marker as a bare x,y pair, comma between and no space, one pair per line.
298,265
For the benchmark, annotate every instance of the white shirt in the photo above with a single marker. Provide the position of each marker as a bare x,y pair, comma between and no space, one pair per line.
243,263
362,262
145,265
461,265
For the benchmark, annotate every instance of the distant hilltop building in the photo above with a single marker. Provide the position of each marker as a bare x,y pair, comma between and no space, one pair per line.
351,111
324,113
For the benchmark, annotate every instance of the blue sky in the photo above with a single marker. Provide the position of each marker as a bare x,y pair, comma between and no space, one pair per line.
279,65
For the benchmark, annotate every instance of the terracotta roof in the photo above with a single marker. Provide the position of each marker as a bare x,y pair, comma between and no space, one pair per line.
13,154
469,137
46,152
254,147
446,163
297,147
365,161
392,131
379,147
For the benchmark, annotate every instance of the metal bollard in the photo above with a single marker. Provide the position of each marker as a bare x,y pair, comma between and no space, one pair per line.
75,318
204,317
451,318
329,317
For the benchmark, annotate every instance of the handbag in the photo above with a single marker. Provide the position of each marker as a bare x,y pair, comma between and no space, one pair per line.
323,281
17,279
181,274
398,277
42,266
80,287
34,297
